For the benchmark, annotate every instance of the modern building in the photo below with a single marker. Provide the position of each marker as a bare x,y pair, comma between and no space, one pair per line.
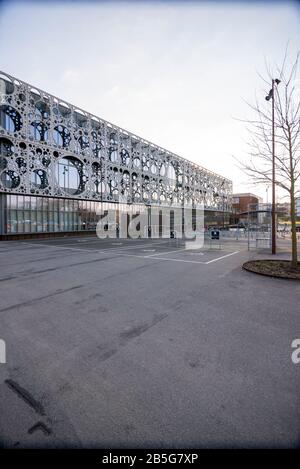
246,206
59,165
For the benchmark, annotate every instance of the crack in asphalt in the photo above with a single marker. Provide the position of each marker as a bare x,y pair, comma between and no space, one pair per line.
34,300
26,396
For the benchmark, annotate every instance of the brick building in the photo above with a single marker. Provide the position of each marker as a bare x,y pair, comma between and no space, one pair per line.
242,205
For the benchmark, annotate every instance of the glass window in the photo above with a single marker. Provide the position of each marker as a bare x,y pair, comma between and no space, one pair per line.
10,119
55,204
45,203
33,203
75,205
51,221
61,222
20,202
56,221
33,220
70,221
67,205
50,204
39,131
20,217
27,221
80,220
75,221
70,175
12,221
39,203
61,205
39,221
26,203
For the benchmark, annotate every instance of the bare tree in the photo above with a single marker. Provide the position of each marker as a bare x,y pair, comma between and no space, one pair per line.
287,138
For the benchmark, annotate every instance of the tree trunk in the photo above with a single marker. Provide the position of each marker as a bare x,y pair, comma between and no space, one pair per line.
293,205
294,233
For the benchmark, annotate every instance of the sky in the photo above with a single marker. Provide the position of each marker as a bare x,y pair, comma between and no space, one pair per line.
179,74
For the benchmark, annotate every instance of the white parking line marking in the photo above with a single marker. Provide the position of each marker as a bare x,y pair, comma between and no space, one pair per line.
222,257
169,252
151,258
59,247
108,249
120,251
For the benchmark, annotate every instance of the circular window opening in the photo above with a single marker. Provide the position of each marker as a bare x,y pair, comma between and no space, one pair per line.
137,162
39,179
39,131
70,175
113,155
10,119
61,136
126,176
162,170
42,109
153,168
171,175
6,147
10,179
96,173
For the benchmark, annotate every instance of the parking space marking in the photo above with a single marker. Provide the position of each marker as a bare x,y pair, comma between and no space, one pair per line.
108,249
156,256
151,258
169,252
60,247
222,257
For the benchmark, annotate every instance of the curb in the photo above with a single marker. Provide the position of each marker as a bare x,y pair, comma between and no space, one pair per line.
244,266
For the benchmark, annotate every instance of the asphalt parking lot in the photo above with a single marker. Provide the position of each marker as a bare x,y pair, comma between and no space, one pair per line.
122,343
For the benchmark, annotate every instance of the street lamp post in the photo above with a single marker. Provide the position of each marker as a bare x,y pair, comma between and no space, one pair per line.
223,206
271,96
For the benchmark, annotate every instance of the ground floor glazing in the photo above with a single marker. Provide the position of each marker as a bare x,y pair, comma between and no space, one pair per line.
32,215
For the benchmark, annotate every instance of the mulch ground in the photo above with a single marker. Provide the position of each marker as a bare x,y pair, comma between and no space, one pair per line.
273,268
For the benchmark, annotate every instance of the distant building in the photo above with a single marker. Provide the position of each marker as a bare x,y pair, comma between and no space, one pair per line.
283,209
244,206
